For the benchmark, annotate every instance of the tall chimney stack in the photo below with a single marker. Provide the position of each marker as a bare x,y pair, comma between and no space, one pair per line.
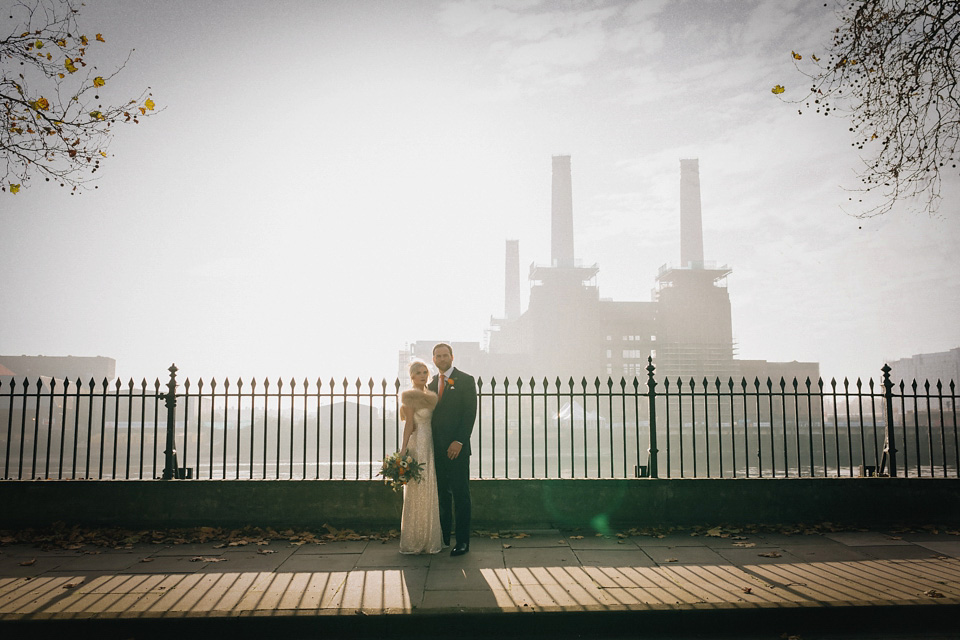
691,223
511,298
561,244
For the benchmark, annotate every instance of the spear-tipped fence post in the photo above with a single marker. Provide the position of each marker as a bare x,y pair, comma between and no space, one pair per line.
890,446
170,401
652,398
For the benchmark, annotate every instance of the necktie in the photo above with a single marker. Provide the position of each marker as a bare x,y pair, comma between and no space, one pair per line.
440,386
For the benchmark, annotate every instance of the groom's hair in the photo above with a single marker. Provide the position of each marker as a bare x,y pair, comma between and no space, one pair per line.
442,344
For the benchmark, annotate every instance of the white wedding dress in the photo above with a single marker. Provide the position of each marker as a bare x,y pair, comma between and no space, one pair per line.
420,523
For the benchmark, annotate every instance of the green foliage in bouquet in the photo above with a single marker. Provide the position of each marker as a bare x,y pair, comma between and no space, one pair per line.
398,471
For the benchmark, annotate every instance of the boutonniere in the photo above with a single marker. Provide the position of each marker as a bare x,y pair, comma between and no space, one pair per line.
449,384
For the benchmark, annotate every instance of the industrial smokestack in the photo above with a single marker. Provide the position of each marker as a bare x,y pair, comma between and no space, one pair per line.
511,298
691,223
561,245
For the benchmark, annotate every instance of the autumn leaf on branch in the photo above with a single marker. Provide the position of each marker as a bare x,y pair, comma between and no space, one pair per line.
891,69
56,122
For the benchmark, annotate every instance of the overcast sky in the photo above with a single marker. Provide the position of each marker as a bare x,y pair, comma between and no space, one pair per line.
331,180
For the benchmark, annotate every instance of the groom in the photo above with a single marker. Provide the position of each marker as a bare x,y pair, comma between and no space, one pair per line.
452,421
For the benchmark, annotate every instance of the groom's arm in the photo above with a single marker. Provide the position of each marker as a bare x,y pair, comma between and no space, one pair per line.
468,412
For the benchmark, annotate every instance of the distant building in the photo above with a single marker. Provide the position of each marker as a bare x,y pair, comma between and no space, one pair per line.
753,370
72,367
568,330
922,367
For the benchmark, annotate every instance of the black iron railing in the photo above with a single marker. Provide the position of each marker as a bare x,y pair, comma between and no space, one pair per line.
59,429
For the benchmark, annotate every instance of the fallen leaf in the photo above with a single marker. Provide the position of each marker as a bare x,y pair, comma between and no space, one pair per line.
933,593
265,551
777,90
746,589
671,560
576,537
771,554
147,559
507,546
71,585
745,545
28,563
206,559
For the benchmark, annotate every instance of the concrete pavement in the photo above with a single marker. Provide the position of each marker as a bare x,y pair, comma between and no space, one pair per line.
572,584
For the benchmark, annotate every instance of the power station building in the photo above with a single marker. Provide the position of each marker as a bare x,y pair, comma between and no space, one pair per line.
569,331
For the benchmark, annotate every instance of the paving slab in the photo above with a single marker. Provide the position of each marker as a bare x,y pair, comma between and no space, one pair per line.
485,543
896,552
327,548
613,558
205,549
538,538
163,564
684,555
312,562
383,556
482,600
242,561
35,551
755,555
383,591
945,547
824,552
865,538
30,565
462,579
600,542
491,559
539,557
117,561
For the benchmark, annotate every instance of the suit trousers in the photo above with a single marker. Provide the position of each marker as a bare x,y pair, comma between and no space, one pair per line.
453,482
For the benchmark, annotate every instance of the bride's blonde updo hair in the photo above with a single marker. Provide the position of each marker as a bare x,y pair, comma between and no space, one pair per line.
415,364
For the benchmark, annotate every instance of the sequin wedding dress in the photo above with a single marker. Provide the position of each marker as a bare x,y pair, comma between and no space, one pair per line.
420,523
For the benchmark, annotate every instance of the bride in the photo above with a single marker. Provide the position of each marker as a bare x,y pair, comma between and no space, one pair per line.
420,523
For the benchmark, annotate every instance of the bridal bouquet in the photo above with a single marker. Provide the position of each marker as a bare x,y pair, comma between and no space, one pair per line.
397,471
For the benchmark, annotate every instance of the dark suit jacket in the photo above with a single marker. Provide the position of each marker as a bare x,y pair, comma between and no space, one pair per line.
456,412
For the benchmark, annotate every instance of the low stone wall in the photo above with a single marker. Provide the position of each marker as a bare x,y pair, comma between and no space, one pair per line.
599,504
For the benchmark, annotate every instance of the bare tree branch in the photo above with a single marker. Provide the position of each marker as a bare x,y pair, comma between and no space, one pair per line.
892,70
54,123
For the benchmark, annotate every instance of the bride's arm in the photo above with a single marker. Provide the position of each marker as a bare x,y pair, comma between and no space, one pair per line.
406,412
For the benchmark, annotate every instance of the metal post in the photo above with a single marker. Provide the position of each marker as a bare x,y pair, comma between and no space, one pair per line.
170,401
652,398
889,447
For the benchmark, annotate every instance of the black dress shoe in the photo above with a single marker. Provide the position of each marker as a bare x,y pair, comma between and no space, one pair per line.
460,549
